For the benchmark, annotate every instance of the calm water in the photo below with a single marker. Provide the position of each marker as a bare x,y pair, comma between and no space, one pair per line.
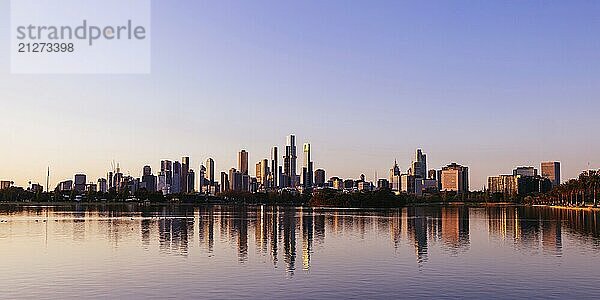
264,252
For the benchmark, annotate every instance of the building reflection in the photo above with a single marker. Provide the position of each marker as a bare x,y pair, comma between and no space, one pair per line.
283,235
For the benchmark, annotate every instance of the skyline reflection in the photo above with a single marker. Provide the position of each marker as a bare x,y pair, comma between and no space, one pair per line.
291,238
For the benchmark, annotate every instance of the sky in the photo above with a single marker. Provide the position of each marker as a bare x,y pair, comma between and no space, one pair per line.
488,84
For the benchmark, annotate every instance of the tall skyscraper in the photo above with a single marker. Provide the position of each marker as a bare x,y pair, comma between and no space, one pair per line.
166,166
551,170
455,178
176,186
395,177
419,166
185,168
210,171
191,181
243,162
308,164
289,161
275,167
224,182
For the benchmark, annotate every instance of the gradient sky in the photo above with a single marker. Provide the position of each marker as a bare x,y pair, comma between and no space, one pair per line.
488,84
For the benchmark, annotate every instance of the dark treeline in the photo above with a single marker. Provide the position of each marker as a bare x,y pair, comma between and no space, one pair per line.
325,197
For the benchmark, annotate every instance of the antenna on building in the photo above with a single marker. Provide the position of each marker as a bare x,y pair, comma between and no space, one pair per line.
48,182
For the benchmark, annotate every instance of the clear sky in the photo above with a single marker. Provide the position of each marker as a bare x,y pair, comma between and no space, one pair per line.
488,84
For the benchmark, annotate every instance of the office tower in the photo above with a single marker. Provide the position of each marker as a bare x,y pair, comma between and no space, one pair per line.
210,171
395,178
455,178
80,182
161,183
308,164
262,173
289,161
320,178
102,185
224,182
246,180
235,180
118,179
148,180
166,166
243,162
203,179
525,171
147,171
191,181
176,180
185,169
275,167
419,166
551,170
109,177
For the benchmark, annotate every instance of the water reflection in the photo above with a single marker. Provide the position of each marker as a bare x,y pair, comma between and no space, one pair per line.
290,237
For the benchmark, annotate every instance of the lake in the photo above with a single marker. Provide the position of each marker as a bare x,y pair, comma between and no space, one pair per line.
262,252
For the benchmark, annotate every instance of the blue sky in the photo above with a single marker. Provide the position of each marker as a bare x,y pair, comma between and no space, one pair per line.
488,84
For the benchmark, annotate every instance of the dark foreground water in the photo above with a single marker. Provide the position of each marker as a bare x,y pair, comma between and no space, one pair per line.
125,252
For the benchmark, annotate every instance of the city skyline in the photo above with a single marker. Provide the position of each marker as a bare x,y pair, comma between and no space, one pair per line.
493,85
178,176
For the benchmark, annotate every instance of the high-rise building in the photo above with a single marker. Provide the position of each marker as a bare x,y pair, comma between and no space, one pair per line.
224,182
176,185
147,170
161,183
243,162
262,173
275,167
395,178
525,171
191,181
102,185
166,166
455,178
320,178
289,162
148,180
80,182
185,169
210,171
308,164
551,170
419,166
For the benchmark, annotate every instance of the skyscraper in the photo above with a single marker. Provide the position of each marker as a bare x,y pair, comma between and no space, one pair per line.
176,186
395,178
224,182
147,170
289,161
166,166
308,164
148,180
275,167
455,178
551,170
210,171
419,166
185,168
243,162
